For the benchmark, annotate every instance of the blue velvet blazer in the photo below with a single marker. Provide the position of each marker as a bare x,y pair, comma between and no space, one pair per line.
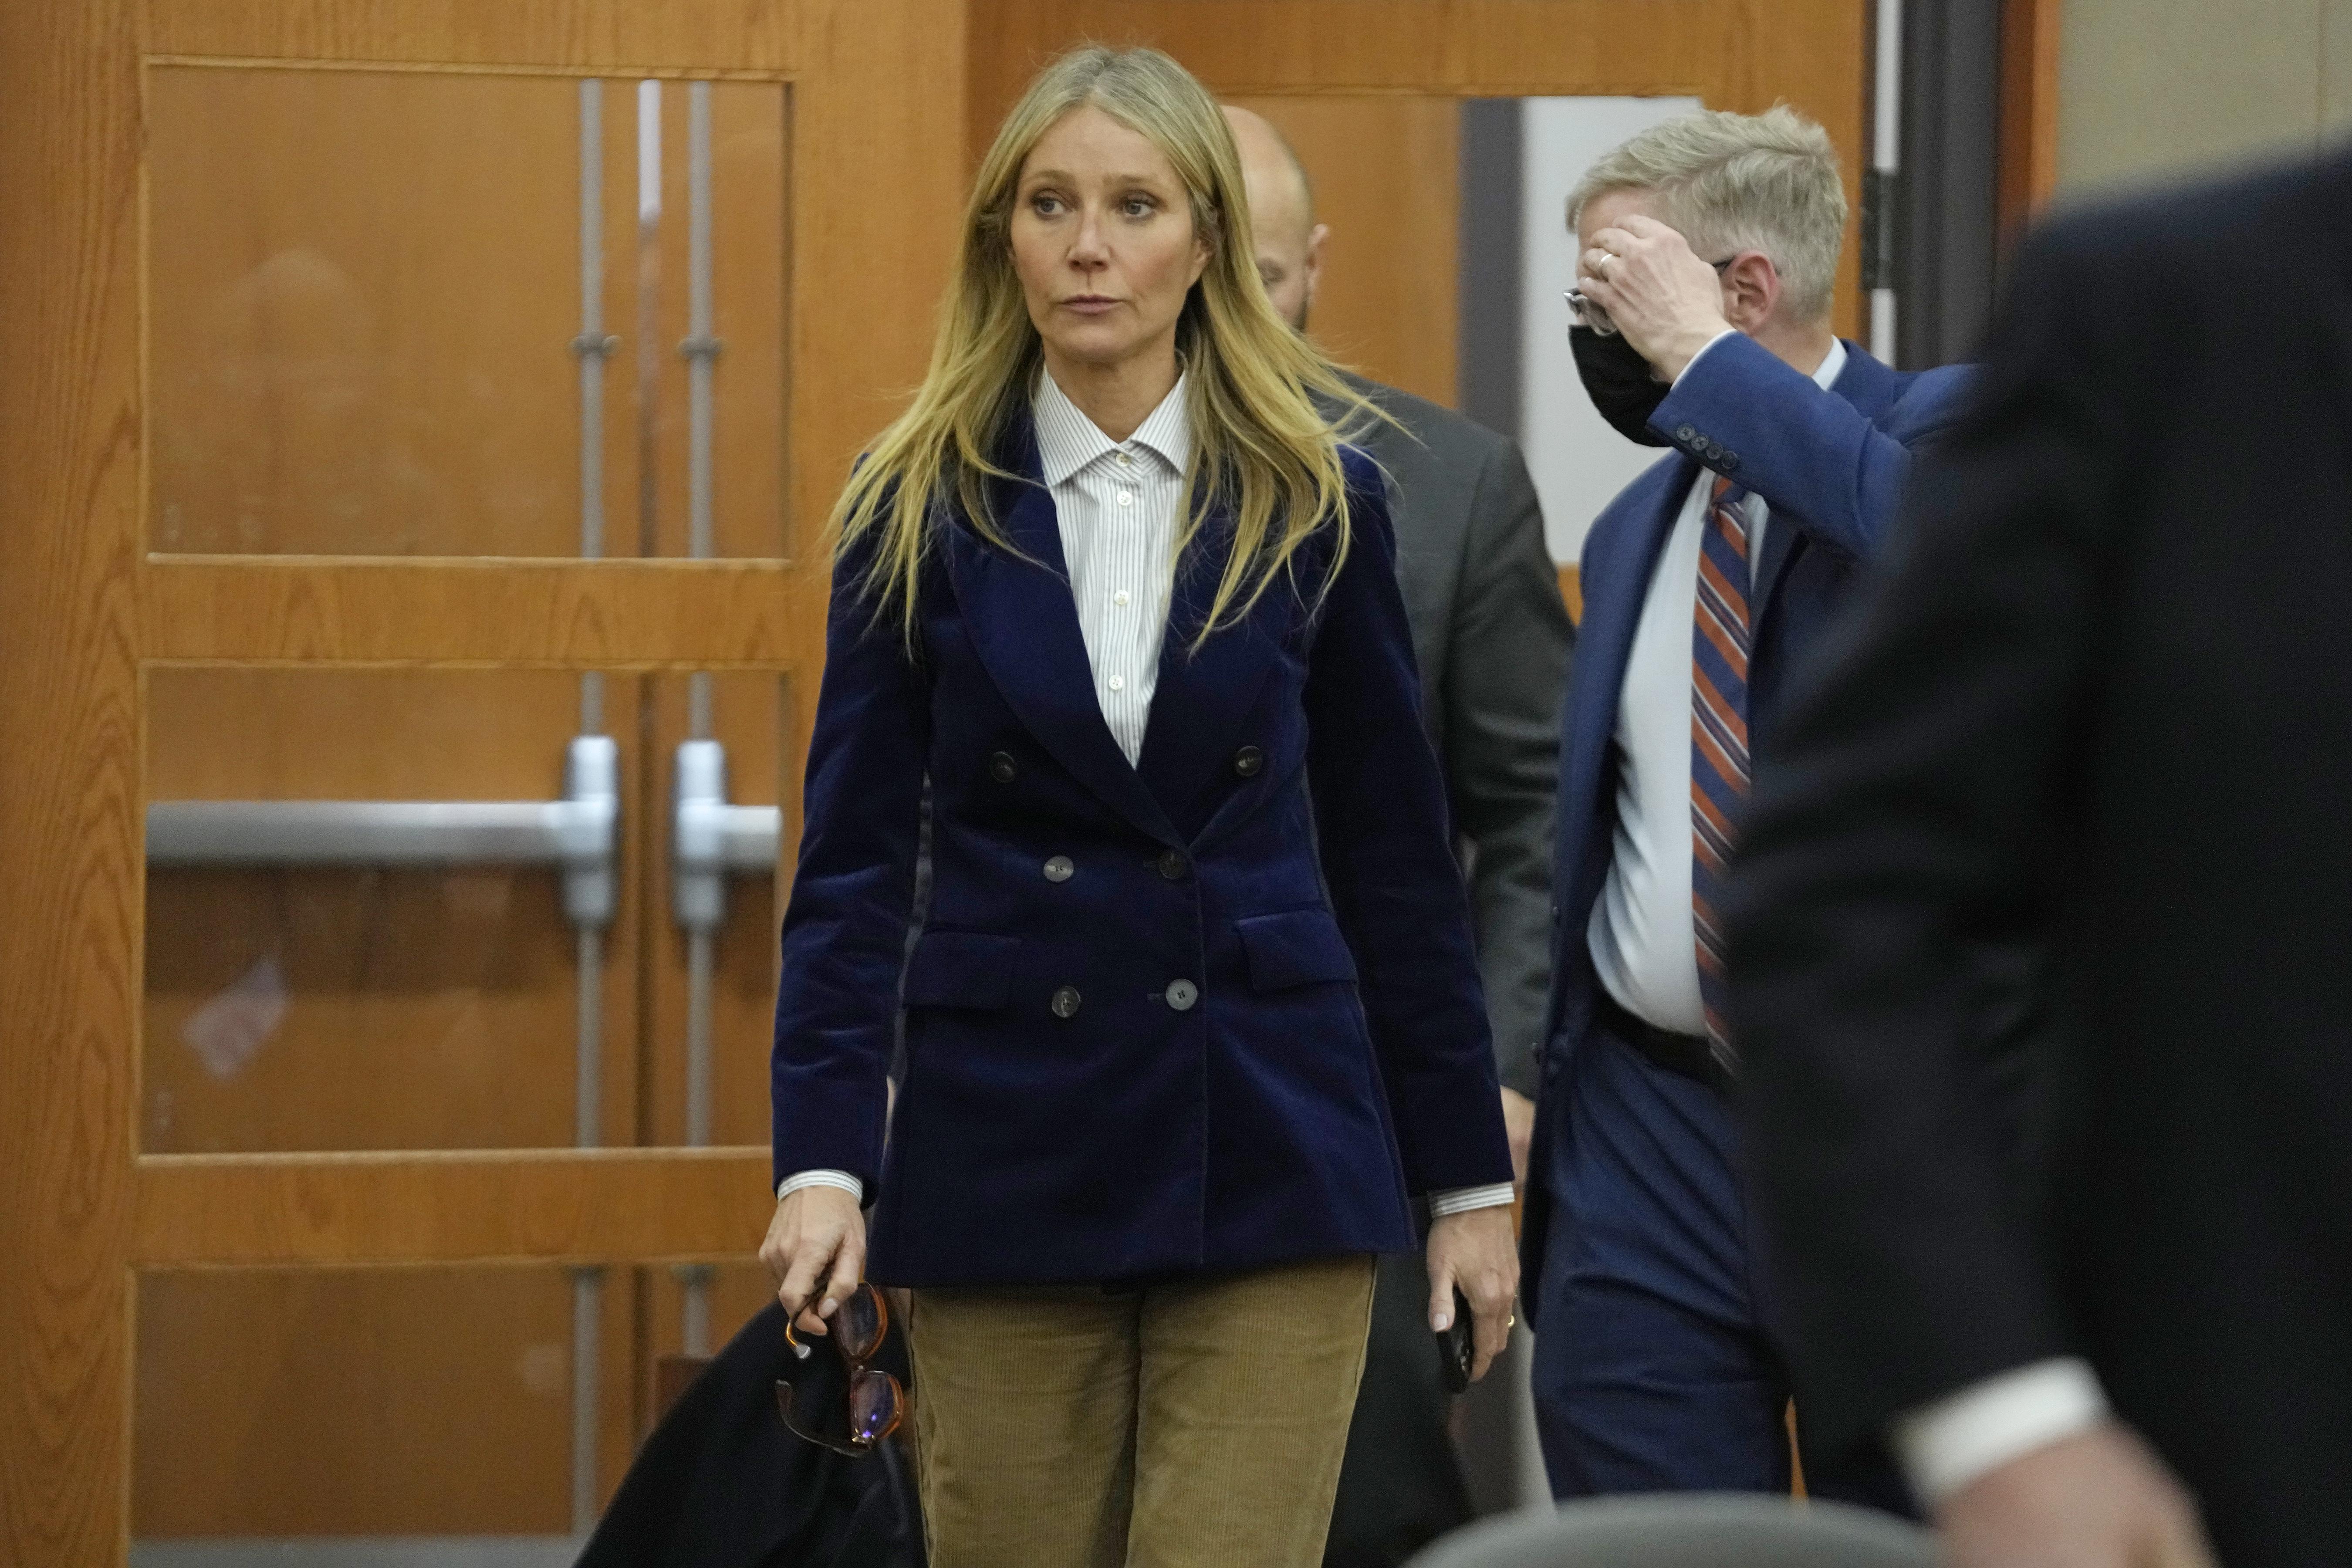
1242,1023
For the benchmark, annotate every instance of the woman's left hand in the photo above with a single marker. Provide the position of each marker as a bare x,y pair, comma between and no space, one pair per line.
1478,1251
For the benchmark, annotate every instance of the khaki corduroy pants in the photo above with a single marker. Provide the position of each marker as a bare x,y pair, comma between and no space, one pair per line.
1197,1425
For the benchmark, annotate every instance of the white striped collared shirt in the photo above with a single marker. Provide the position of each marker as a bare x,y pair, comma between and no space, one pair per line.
1116,504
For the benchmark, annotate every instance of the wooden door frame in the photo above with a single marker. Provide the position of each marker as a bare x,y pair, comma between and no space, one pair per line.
1732,54
2029,110
84,610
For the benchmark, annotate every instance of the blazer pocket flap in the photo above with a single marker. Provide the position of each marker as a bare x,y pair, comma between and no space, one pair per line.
961,968
1296,947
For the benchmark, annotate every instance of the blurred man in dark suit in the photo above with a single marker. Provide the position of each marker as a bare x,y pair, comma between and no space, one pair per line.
1492,639
2100,702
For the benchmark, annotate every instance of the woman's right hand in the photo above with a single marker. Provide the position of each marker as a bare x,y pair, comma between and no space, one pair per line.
816,1241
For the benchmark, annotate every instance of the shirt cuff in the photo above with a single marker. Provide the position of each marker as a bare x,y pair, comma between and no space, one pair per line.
1461,1200
1952,1442
1727,332
842,1179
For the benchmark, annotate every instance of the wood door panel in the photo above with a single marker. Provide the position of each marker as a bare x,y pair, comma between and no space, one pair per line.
565,1205
602,615
69,884
326,1008
374,1402
358,1010
355,346
364,301
737,1292
1387,181
762,38
243,732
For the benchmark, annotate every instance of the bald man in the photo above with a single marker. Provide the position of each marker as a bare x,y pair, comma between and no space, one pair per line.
1493,641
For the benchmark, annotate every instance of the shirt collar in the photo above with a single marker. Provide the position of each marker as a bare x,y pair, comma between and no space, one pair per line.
1067,440
1832,365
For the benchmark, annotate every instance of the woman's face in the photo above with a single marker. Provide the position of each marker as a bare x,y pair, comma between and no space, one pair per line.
1103,242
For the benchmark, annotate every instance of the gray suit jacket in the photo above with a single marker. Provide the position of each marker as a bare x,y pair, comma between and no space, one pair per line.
1493,640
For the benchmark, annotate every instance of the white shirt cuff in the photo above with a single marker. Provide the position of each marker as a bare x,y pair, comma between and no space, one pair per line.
1727,332
1461,1200
842,1179
1947,1444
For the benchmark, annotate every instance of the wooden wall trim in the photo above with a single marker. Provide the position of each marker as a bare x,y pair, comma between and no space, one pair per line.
604,615
69,776
537,1206
2029,110
1742,55
619,36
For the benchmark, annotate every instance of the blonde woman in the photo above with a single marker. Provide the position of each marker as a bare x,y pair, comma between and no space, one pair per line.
1192,1019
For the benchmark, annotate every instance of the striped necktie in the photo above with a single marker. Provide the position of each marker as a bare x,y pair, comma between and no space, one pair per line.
1719,647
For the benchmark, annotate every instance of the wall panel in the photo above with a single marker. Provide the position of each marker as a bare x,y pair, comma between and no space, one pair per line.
1387,177
69,778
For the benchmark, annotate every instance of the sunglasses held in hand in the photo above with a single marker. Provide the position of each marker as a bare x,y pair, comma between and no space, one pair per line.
875,1401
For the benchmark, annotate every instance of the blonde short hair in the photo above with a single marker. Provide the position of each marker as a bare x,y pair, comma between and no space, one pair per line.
1730,183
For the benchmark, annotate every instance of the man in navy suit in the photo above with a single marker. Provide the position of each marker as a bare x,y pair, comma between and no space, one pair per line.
1709,247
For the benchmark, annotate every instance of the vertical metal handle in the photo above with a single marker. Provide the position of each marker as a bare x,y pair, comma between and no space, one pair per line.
709,841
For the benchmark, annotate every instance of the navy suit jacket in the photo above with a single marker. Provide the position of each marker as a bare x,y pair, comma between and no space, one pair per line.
1282,845
1831,467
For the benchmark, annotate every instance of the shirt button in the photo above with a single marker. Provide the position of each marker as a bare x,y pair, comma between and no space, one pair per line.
1066,1001
1181,995
1116,683
1248,761
1002,767
1120,598
1127,497
1124,461
1171,865
1060,868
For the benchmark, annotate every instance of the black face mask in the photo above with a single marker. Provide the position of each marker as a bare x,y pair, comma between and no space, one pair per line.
1618,380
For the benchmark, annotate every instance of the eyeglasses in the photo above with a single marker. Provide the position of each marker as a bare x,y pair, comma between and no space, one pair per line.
1584,312
875,1401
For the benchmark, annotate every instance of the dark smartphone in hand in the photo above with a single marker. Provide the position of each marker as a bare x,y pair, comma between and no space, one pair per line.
1457,1352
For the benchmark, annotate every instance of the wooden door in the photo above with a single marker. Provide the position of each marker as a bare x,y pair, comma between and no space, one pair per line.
307,1173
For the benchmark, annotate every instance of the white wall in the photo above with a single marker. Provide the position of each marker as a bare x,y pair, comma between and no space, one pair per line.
1578,461
2153,89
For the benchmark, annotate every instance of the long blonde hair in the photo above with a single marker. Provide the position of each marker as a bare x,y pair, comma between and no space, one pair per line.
1259,442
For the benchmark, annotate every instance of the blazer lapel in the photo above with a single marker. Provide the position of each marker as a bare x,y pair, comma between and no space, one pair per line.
1024,625
1206,694
1604,646
1870,385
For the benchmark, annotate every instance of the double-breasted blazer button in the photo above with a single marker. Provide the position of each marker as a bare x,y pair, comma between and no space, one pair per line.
1066,1001
1060,868
1002,767
1172,865
1181,995
1248,761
